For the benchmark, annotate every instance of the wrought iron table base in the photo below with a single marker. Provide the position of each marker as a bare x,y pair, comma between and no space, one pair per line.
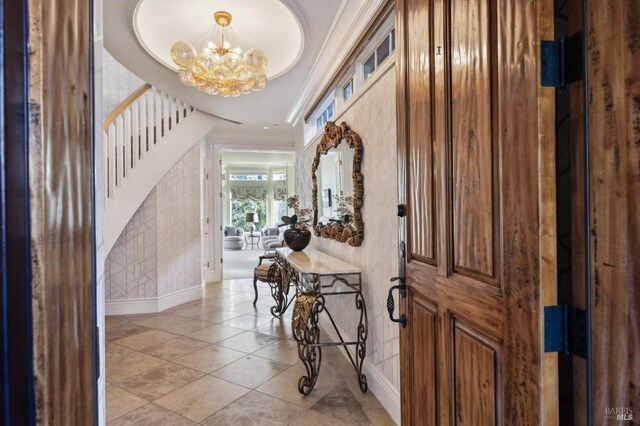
306,331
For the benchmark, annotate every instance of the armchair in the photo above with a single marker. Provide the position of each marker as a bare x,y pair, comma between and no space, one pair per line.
269,235
233,238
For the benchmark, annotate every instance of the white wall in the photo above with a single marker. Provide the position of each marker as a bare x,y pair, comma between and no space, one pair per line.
372,115
117,82
131,267
178,226
159,251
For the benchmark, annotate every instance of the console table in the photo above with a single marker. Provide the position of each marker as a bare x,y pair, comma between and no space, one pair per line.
315,276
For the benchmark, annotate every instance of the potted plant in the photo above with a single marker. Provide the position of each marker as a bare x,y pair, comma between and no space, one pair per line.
297,236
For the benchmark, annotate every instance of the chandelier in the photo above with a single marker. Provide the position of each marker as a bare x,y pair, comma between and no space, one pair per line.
220,69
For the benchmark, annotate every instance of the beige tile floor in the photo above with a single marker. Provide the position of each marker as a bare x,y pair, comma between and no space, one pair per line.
220,361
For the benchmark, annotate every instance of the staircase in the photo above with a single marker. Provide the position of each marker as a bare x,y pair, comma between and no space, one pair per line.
143,137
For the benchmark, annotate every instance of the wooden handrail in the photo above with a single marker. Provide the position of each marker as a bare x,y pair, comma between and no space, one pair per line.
111,117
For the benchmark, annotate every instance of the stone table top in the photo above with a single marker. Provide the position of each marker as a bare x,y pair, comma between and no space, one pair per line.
312,261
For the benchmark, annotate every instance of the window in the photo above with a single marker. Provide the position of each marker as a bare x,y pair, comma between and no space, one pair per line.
239,210
347,90
325,115
369,66
279,209
256,188
381,53
279,176
248,176
393,40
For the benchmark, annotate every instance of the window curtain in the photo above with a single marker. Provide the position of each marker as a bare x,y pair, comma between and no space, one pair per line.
251,194
280,194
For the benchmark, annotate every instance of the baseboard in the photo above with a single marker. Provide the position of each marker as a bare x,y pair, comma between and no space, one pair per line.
179,297
150,306
381,387
211,276
130,307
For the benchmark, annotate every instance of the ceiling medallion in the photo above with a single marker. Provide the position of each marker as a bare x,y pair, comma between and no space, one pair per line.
220,69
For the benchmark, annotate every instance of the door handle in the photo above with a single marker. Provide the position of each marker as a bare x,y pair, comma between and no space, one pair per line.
391,304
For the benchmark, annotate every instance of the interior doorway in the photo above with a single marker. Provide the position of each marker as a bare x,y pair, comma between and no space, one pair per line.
254,186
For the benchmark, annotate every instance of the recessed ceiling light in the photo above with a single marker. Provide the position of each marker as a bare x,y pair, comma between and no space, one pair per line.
266,127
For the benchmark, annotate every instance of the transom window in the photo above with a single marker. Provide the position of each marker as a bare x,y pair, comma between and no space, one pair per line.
247,176
326,115
347,89
381,53
279,176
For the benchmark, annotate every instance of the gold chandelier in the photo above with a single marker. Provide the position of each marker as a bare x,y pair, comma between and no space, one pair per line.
220,69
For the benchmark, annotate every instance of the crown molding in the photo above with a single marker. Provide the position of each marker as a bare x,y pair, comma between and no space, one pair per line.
323,49
335,48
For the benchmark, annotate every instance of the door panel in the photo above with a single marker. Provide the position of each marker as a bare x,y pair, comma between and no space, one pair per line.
475,388
472,141
419,96
425,318
470,153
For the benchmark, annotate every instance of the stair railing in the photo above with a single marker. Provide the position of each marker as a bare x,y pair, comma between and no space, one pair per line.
134,128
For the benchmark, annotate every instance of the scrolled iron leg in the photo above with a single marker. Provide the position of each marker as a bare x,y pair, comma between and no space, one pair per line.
276,309
361,347
275,279
311,357
306,333
255,289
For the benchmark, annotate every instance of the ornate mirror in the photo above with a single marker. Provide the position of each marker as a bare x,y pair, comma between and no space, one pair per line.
337,185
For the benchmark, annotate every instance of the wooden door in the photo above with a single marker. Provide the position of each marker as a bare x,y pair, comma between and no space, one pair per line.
471,166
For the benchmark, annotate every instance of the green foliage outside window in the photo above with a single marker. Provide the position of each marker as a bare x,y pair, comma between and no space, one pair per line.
240,208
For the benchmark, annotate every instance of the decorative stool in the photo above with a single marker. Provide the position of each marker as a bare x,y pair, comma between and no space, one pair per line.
271,274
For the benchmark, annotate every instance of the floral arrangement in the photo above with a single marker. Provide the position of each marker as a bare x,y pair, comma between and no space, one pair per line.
301,217
344,206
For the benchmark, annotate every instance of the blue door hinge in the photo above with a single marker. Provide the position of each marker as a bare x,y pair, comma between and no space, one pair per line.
562,61
565,330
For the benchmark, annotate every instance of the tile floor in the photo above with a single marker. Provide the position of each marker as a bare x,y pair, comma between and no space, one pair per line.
220,361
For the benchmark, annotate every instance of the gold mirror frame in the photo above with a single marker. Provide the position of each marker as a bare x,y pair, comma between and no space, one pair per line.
332,136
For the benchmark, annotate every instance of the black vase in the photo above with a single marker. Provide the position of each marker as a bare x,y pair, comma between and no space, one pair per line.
297,239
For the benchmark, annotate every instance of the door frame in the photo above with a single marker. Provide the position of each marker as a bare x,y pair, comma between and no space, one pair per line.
95,138
62,180
16,353
216,273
